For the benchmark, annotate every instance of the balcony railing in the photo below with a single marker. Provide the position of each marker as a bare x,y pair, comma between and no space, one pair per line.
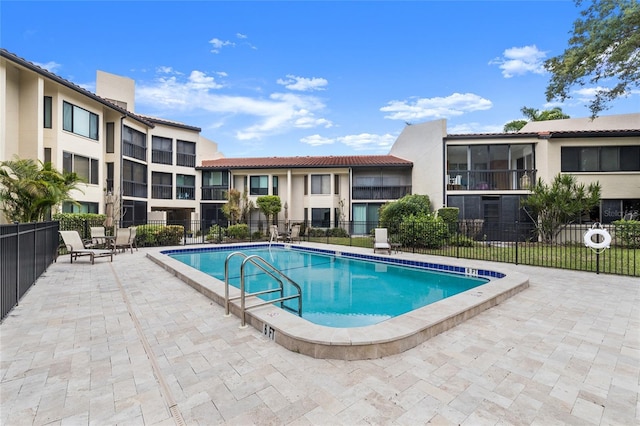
134,189
163,192
161,157
490,180
134,151
187,160
380,192
185,193
214,192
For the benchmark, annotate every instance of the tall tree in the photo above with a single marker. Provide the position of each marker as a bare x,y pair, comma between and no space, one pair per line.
29,189
533,114
232,209
604,47
270,205
555,205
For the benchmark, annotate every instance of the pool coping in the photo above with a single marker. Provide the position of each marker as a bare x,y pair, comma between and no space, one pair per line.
389,337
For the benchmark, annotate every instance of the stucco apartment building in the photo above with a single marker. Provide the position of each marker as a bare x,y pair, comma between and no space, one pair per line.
149,162
167,170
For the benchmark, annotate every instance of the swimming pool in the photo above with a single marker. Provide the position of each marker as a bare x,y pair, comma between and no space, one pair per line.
392,336
337,291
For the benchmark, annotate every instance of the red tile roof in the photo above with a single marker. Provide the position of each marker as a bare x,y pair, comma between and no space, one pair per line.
299,162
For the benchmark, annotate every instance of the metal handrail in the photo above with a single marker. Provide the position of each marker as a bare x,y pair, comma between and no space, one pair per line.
267,268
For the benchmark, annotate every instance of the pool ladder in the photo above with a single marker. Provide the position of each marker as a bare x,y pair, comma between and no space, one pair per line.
270,270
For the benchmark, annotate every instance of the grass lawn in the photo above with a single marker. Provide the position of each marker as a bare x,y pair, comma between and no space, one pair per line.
617,260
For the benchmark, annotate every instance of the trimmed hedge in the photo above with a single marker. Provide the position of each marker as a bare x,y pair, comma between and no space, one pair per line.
159,235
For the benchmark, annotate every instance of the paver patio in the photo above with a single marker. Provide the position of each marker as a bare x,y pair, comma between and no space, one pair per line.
128,343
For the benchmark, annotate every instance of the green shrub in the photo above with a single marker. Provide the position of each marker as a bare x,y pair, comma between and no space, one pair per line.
337,233
257,236
449,214
394,213
159,235
628,232
216,234
317,232
239,231
80,222
423,230
462,241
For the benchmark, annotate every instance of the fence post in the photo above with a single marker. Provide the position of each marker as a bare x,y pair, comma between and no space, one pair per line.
17,263
517,238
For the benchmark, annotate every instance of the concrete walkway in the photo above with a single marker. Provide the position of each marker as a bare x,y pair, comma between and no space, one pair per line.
127,343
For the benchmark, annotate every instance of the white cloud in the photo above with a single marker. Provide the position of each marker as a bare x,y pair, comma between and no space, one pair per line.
171,95
303,84
49,66
165,70
520,61
360,142
317,140
474,127
240,35
423,108
219,44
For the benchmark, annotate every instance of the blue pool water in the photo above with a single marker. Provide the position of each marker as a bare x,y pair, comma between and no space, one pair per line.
337,291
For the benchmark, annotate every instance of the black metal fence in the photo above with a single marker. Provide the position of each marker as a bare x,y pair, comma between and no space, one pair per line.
514,242
26,251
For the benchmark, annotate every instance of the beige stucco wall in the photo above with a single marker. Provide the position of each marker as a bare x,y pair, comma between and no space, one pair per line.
116,87
423,144
614,185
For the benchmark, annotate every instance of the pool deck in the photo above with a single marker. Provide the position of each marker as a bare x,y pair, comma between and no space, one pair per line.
129,343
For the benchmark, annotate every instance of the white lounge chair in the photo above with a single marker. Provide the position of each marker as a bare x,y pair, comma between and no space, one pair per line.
275,236
76,247
126,239
382,241
98,238
295,234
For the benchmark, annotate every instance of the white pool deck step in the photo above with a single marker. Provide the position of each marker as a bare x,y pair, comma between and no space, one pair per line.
129,343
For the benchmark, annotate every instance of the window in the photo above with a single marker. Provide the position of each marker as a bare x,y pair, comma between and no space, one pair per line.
215,185
134,143
336,184
79,121
321,218
306,186
84,207
86,168
110,176
275,185
320,184
259,185
600,159
161,185
215,179
134,179
47,155
48,113
111,136
185,187
186,154
161,150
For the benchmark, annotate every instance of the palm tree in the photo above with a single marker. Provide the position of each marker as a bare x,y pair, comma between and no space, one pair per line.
29,189
533,114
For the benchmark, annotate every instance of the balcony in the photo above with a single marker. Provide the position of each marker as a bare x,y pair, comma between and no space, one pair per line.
187,160
490,180
218,193
134,189
185,193
163,192
161,157
380,192
134,151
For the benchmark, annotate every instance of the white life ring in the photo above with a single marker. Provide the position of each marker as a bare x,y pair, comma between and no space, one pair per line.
606,238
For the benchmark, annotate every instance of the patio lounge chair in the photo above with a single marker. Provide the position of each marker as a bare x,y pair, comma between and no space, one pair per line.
125,239
76,247
295,234
275,236
98,238
381,242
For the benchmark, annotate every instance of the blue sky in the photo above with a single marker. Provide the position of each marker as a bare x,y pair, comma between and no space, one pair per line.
309,78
